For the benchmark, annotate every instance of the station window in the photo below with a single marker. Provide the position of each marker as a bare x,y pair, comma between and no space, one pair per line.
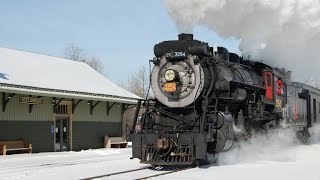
61,109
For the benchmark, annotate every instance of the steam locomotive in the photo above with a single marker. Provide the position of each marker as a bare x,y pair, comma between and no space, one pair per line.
206,98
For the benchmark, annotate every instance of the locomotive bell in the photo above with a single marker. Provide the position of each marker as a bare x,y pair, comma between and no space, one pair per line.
223,53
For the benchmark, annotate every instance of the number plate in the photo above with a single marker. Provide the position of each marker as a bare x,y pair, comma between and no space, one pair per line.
170,87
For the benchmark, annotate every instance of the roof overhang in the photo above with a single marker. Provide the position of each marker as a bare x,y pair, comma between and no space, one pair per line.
10,88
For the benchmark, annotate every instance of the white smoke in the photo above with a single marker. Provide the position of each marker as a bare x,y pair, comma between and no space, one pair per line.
315,134
278,145
273,146
284,33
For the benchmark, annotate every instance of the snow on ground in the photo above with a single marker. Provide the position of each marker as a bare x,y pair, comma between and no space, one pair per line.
267,157
298,163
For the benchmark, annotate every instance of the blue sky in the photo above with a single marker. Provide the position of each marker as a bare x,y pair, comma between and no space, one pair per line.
120,33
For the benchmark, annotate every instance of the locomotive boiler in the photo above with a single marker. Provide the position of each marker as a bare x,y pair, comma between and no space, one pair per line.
205,98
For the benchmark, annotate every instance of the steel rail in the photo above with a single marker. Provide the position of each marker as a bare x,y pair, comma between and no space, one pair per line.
117,173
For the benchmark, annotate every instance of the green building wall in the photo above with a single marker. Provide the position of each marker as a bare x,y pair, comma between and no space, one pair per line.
89,130
16,123
37,128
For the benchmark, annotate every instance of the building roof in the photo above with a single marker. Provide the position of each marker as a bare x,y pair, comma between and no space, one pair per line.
34,74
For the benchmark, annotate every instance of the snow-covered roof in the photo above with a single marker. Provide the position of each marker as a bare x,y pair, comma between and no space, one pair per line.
30,73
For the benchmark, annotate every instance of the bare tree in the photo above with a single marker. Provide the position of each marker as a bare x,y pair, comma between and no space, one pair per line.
138,82
76,53
310,80
95,63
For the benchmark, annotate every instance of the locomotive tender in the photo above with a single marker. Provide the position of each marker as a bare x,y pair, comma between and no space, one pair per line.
205,99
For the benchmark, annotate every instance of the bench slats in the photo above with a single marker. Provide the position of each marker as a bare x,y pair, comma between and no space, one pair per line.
118,142
13,144
115,139
18,145
17,149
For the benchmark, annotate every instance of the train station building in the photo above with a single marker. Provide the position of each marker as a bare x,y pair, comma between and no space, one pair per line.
57,104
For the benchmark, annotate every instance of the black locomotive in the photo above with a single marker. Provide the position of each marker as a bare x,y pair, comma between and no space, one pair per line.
207,98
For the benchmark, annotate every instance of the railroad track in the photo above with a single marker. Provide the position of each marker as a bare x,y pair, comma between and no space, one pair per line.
155,172
117,173
165,173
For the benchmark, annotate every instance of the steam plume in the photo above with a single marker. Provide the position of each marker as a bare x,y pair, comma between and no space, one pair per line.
284,33
273,146
278,145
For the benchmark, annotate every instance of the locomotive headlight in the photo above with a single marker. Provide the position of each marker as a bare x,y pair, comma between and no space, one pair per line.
170,75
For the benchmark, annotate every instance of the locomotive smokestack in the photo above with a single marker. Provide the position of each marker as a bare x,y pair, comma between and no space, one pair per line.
184,36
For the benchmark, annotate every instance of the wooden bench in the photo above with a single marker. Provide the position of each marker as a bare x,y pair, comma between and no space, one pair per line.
15,146
115,142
